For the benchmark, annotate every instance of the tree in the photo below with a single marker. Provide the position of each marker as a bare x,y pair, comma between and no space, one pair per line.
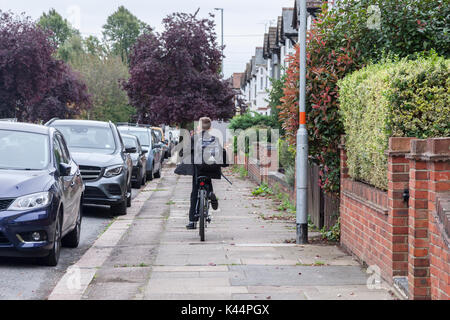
29,73
103,76
175,75
69,98
59,27
122,30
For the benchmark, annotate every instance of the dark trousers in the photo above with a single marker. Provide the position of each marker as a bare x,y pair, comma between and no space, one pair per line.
194,197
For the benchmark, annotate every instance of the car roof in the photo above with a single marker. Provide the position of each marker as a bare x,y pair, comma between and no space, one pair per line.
25,127
82,123
129,128
129,136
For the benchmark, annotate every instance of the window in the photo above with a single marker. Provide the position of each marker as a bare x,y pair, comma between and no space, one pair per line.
57,152
262,83
65,155
24,150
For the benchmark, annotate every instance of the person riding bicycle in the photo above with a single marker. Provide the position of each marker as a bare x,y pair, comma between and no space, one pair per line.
206,159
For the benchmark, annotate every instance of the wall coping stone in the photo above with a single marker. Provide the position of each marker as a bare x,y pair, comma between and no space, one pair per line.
433,149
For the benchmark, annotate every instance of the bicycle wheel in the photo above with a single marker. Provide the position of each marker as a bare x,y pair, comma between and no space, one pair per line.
202,217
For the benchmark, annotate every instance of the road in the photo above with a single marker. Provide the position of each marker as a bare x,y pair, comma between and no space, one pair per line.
23,279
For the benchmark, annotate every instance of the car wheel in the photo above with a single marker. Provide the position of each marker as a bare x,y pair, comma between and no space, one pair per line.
119,209
52,259
72,239
129,196
158,174
137,185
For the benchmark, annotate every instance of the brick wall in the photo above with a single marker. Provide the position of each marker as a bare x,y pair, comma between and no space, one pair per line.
428,272
403,236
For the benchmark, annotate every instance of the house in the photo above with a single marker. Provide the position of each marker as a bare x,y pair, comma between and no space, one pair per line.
270,60
236,83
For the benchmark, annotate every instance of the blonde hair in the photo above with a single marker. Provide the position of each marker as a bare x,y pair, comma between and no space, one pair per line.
205,123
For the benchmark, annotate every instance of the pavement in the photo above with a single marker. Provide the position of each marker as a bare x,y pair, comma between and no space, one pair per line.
248,254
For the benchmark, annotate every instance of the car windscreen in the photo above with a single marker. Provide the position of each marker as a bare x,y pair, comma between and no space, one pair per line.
23,150
129,142
99,139
141,135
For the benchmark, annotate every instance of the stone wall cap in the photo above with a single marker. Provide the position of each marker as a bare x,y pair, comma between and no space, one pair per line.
436,149
399,145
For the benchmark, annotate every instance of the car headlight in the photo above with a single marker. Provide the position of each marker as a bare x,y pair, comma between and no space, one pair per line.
113,171
31,202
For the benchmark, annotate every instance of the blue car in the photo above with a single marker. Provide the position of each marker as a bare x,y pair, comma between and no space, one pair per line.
40,193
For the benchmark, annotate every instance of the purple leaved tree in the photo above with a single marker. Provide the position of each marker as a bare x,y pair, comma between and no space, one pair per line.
33,84
175,75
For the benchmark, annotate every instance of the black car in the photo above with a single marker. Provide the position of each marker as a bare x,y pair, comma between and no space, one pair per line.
104,162
139,174
40,193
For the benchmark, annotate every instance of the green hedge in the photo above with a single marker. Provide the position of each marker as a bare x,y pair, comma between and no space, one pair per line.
392,99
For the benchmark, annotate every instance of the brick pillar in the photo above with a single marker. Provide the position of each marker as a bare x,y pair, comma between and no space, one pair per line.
418,259
438,151
398,182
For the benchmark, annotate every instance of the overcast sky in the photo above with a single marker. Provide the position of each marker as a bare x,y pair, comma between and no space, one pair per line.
245,21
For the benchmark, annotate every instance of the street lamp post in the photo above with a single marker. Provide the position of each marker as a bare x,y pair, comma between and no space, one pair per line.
221,10
302,136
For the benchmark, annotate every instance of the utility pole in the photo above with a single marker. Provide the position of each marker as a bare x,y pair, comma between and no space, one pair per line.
302,135
221,10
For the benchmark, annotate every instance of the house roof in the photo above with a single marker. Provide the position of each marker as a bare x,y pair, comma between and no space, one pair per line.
259,57
312,6
266,52
280,33
273,38
247,75
253,66
288,15
236,79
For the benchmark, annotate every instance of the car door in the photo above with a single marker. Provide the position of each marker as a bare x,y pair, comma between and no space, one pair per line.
156,151
64,183
76,183
126,157
142,158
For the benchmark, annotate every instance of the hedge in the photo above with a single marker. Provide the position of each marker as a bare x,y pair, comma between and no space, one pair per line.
392,99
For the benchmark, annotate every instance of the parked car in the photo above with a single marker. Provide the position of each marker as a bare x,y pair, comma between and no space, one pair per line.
149,143
104,162
139,174
162,142
40,193
173,136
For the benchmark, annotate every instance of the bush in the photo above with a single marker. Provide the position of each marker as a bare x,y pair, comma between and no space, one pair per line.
343,40
393,98
252,119
286,154
289,175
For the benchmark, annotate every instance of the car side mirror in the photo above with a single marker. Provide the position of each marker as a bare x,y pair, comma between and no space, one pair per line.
131,150
64,169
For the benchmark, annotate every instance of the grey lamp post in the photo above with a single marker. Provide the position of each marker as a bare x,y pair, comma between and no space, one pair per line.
221,10
302,135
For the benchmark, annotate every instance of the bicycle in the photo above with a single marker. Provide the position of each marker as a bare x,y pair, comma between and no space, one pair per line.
204,203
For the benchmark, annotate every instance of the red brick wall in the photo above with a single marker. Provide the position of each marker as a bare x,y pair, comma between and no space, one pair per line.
365,227
439,251
404,238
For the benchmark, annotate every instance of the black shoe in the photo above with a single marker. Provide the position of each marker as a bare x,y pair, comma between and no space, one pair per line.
214,201
191,226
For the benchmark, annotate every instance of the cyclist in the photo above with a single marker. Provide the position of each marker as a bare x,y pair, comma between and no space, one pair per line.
203,147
